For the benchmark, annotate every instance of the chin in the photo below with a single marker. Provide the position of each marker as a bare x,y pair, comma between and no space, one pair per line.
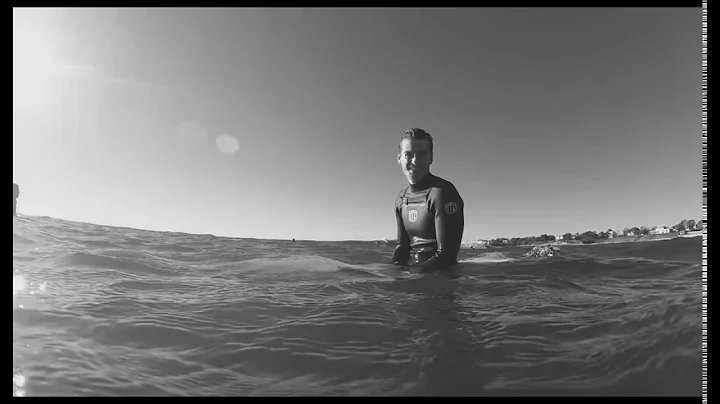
414,179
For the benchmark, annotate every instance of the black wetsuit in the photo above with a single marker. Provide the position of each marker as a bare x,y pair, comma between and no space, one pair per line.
430,224
16,194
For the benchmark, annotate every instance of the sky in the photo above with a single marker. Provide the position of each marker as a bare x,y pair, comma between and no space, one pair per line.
284,123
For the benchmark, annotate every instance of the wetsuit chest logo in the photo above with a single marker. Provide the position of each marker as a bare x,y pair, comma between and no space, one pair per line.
413,216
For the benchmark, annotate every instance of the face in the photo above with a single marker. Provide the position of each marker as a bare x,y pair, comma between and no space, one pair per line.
415,159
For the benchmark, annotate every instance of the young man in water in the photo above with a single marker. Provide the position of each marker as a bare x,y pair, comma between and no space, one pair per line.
429,211
16,194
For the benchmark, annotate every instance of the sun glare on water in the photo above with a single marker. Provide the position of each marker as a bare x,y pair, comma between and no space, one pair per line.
18,379
32,64
18,284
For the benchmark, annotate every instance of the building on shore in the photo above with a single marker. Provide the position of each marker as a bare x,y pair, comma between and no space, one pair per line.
660,230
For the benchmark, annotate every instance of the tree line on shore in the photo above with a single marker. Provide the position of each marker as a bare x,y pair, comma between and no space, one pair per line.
590,237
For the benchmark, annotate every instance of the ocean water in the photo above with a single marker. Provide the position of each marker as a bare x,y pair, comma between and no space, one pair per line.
100,311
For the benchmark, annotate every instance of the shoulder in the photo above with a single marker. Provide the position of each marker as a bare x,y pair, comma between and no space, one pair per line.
399,196
445,190
444,197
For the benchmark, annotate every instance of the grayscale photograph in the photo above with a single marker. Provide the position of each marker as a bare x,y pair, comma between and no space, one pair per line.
360,202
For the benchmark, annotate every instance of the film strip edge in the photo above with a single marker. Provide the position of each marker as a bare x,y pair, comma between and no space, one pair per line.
704,190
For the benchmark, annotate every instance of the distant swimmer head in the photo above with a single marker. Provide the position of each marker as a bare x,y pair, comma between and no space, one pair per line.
415,154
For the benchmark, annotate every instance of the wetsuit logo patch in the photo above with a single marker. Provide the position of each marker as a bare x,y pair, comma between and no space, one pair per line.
413,216
451,208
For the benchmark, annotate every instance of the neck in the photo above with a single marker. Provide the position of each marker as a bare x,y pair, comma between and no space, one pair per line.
422,183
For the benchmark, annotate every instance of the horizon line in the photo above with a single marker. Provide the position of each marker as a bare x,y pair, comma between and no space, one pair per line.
383,239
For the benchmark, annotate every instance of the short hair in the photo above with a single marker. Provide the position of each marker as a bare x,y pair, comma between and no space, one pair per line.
417,134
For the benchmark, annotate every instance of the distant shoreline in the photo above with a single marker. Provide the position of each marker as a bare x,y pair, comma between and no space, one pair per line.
624,239
616,240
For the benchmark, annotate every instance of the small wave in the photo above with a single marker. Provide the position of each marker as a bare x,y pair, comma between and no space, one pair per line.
88,260
565,284
488,258
148,333
18,239
134,286
307,264
688,250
